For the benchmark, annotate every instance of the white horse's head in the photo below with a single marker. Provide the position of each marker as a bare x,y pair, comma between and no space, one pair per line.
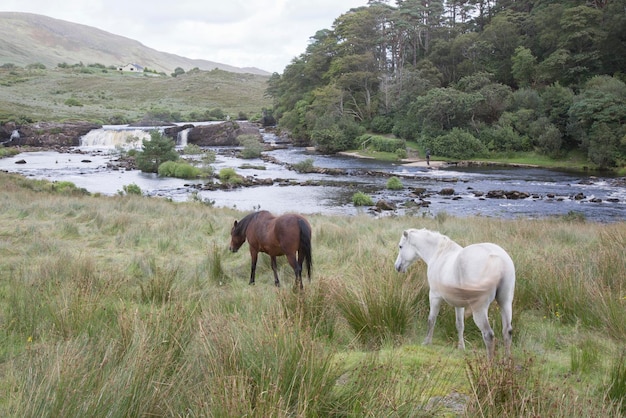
407,253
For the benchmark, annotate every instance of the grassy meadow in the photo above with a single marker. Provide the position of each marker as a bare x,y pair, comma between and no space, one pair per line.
133,306
107,96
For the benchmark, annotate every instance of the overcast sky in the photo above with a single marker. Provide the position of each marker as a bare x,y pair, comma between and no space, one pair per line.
266,34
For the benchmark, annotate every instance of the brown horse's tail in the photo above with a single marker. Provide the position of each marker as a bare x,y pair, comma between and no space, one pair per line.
305,244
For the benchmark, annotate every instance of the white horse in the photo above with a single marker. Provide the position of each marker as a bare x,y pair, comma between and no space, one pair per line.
470,277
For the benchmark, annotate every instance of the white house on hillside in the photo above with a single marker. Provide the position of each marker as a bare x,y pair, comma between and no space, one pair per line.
133,68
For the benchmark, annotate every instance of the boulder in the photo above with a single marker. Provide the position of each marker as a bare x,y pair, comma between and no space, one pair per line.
221,134
384,205
45,134
502,194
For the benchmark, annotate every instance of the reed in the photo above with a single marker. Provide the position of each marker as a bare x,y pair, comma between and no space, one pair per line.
133,306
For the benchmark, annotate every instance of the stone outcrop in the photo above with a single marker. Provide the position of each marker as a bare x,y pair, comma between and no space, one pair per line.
221,134
45,134
54,135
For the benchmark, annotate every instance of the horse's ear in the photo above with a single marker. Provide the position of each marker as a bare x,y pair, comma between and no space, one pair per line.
235,223
405,233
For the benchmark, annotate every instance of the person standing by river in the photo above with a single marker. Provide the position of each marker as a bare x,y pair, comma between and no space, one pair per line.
427,157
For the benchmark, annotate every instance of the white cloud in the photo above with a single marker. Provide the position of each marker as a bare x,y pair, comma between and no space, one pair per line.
266,34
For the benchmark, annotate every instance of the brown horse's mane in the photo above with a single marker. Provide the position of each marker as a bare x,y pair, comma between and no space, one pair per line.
242,225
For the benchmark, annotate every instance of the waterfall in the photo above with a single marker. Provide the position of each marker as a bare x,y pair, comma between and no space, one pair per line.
181,138
114,137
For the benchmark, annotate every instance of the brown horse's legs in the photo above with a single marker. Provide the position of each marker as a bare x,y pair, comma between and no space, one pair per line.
276,282
297,269
253,255
300,261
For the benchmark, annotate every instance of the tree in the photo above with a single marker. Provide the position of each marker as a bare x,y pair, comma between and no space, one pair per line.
524,67
597,119
556,101
580,40
155,151
178,71
502,36
442,109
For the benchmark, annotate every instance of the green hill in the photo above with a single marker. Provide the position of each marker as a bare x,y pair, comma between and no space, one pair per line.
106,96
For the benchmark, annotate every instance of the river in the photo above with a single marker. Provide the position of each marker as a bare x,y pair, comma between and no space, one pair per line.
452,190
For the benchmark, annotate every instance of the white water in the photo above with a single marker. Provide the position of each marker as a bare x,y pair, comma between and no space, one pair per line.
181,139
113,138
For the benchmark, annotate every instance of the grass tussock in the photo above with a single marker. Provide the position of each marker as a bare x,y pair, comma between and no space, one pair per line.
133,306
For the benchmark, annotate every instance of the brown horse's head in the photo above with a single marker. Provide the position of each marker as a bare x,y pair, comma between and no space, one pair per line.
237,237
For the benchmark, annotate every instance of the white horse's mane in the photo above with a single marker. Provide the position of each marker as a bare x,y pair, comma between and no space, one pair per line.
444,241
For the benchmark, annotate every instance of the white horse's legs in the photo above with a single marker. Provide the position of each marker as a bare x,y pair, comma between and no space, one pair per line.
460,325
481,319
507,328
435,304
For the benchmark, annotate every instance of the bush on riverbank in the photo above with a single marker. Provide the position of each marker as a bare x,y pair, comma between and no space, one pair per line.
155,151
129,306
181,170
362,199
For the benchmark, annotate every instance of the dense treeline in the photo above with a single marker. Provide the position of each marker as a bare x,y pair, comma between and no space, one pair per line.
465,78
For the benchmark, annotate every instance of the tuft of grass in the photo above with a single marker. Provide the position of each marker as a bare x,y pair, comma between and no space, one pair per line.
229,176
617,382
379,312
155,283
304,166
362,199
394,183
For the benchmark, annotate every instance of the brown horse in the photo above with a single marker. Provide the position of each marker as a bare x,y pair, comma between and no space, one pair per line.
275,236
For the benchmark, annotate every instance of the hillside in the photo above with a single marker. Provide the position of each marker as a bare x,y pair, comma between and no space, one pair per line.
103,96
27,38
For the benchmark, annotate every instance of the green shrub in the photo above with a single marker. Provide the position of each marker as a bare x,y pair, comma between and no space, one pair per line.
73,102
8,152
229,175
216,114
252,148
458,144
401,153
382,124
383,144
330,140
394,183
179,170
36,66
132,189
361,199
68,188
156,151
192,149
304,166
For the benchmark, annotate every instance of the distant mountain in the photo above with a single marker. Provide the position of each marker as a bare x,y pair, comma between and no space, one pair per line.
27,38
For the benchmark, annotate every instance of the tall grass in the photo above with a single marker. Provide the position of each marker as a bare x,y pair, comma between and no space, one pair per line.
132,306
